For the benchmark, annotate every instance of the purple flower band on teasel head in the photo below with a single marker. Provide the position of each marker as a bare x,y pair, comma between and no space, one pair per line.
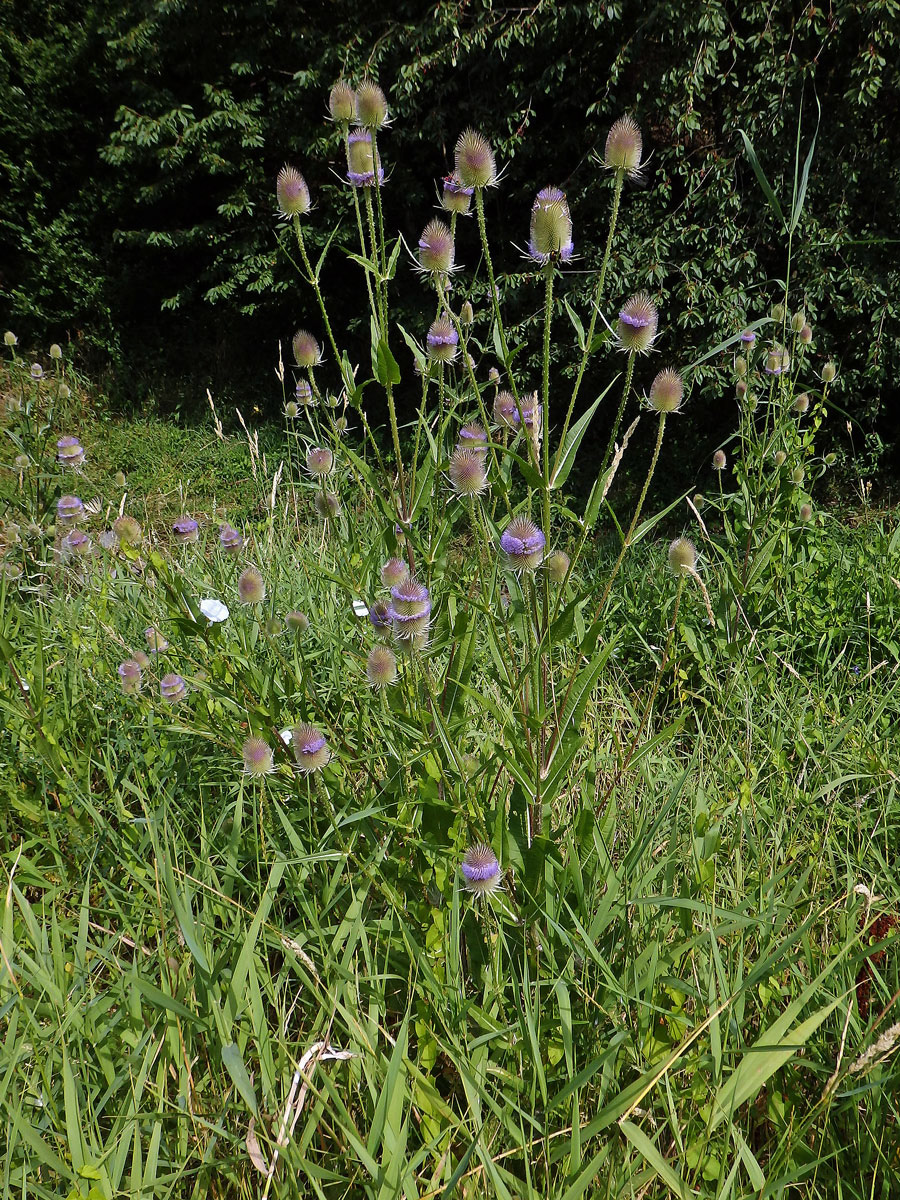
480,870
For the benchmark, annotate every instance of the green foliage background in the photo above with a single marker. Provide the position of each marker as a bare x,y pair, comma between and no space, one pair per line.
139,144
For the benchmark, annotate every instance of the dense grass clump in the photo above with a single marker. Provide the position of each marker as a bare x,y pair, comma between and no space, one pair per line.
397,829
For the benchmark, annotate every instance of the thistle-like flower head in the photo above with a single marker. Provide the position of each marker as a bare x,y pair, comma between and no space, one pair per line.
307,352
172,688
258,757
523,544
127,530
550,233
69,509
342,103
456,197
623,148
436,249
156,643
130,676
637,325
475,164
319,460
410,609
666,391
251,586
361,166
69,451
371,106
310,748
186,529
682,557
394,571
473,437
230,540
381,666
297,621
467,472
291,192
442,340
480,870
327,505
506,411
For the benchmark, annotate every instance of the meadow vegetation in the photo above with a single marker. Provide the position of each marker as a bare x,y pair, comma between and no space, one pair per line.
380,818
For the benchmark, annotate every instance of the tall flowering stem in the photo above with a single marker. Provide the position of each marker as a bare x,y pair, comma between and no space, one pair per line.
545,392
637,511
629,373
595,308
495,299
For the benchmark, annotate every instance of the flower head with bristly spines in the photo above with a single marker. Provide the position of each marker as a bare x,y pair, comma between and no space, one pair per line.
327,505
319,461
310,748
456,197
473,437
130,676
476,166
297,622
156,643
342,103
682,557
307,352
480,870
550,233
258,757
409,609
251,586
291,192
371,106
361,166
394,571
506,411
666,391
230,540
69,451
442,341
637,325
436,250
69,510
381,666
186,529
523,544
467,472
624,144
172,688
127,530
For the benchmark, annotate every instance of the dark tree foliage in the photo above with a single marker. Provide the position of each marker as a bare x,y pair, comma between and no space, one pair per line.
141,143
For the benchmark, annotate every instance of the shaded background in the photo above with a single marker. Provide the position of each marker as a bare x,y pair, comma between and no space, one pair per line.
139,145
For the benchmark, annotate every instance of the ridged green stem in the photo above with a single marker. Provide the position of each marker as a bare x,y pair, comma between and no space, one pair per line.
595,307
495,299
629,372
314,282
545,396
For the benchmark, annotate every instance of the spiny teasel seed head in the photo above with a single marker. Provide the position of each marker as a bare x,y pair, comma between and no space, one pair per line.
682,557
523,544
623,148
475,164
186,529
828,372
251,586
801,402
797,475
156,643
258,757
119,479
292,410
740,366
303,393
442,340
528,413
127,530
64,391
467,472
805,335
291,192
506,410
780,458
778,313
319,460
77,543
798,320
393,572
748,337
310,748
666,391
557,565
637,325
436,249
806,512
456,197
777,361
740,389
473,437
381,666
361,165
10,339
480,870
143,660
130,676
307,352
719,461
342,103
21,462
409,610
37,371
466,313
56,351
371,106
69,451
550,232
172,688
380,615
69,509
327,505
230,540
297,622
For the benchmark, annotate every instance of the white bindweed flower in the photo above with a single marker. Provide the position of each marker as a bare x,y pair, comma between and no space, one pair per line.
360,608
214,610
